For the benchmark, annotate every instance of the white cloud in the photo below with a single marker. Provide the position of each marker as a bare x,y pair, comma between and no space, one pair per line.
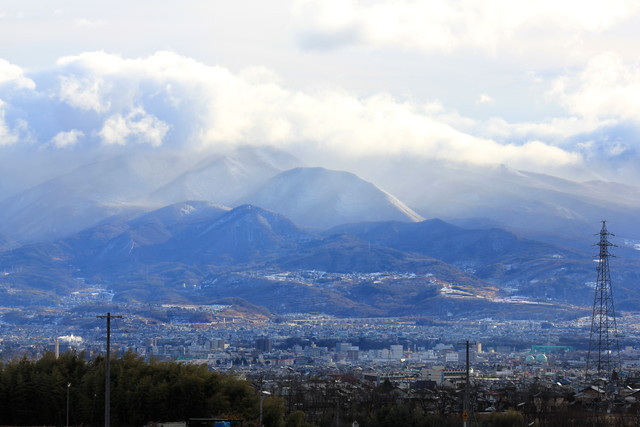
606,88
67,139
136,126
484,99
169,100
7,135
555,130
443,26
482,57
10,73
88,93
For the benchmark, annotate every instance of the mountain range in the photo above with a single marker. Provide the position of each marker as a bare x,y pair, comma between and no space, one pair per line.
257,224
201,252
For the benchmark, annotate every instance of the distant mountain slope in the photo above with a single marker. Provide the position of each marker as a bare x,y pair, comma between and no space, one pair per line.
135,182
80,199
122,241
7,244
243,235
345,253
247,239
317,197
541,207
517,265
441,240
222,178
197,234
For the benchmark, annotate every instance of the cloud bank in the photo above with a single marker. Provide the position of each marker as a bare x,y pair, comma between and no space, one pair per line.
170,101
446,26
606,88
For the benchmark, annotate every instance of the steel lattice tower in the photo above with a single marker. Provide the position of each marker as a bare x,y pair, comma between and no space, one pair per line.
604,353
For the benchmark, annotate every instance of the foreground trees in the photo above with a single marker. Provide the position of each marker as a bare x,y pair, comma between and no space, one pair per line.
35,392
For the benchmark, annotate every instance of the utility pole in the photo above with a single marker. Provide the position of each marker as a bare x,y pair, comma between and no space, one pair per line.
68,387
466,389
107,381
263,394
466,403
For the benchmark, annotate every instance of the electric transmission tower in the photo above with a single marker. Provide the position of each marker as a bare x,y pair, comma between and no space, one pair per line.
604,353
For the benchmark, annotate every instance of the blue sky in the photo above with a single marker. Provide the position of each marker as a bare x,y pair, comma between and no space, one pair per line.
546,86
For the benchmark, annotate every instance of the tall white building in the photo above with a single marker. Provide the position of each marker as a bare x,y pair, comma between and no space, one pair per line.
396,352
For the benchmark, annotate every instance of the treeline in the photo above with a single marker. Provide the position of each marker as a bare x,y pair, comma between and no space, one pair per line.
35,392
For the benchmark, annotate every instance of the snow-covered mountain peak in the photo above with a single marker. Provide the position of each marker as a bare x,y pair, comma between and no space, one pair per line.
319,197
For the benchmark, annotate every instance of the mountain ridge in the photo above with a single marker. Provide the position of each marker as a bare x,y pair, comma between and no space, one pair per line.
194,250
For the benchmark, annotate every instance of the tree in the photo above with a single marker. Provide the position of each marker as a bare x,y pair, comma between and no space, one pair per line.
141,392
273,412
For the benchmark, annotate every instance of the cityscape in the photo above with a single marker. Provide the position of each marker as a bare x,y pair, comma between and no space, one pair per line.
414,356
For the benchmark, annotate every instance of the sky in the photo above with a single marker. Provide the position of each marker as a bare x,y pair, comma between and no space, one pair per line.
546,86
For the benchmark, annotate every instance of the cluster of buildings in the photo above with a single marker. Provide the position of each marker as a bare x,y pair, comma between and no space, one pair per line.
411,358
227,340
